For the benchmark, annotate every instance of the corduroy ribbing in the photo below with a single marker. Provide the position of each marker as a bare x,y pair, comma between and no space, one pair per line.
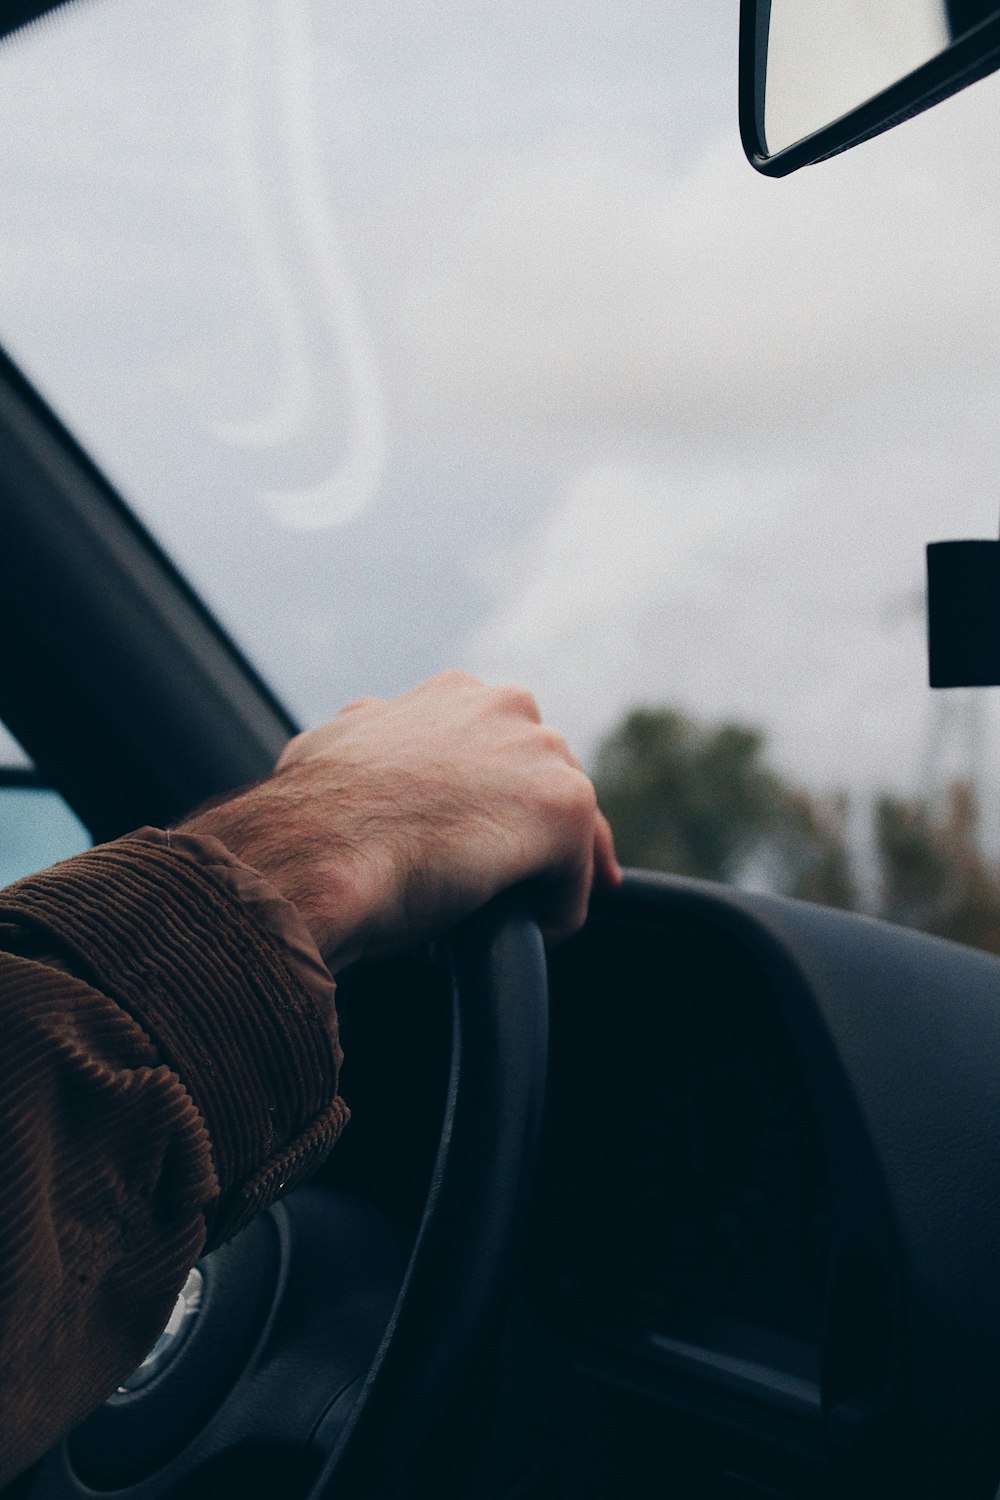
180,954
105,1173
166,1076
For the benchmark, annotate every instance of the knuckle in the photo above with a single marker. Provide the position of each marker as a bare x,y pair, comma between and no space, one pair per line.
516,699
572,797
583,798
454,677
554,743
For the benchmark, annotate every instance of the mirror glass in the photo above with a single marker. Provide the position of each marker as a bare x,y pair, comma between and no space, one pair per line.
827,57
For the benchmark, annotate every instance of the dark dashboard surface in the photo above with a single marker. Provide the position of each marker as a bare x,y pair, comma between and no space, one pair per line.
765,1225
683,1176
767,1195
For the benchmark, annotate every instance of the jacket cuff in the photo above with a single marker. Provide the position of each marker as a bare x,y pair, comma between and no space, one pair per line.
269,908
224,979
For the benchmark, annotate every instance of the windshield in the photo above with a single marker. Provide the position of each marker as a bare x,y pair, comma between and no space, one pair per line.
438,334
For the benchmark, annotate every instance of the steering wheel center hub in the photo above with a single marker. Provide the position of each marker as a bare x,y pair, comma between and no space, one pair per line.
167,1346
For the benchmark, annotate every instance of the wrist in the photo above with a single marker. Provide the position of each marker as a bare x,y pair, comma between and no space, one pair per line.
332,884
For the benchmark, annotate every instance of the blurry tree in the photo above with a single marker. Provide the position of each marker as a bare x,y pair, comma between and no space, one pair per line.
811,840
933,873
701,800
684,797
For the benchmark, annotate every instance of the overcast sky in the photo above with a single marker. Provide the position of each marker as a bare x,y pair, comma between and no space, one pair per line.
432,333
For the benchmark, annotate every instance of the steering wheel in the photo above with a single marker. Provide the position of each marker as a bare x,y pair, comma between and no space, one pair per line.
316,1354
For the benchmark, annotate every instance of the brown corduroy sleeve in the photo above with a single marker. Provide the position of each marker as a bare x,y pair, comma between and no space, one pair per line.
166,1073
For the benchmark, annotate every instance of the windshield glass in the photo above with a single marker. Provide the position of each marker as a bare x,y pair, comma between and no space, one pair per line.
434,334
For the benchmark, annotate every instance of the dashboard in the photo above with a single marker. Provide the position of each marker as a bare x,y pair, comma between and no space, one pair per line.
763,1220
703,1184
760,1257
680,1245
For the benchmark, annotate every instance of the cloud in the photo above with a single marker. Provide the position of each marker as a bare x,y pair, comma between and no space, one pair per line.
732,591
766,396
619,539
585,293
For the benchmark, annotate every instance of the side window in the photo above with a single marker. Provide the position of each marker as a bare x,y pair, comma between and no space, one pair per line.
36,826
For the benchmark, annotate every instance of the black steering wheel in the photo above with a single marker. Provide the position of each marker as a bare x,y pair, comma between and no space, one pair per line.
318,1352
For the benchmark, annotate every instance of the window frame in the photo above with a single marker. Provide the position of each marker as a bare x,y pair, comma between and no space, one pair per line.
127,694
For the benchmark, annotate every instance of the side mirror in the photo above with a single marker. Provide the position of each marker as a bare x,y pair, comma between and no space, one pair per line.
820,76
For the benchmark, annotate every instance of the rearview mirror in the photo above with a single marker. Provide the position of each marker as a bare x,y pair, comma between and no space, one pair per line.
819,76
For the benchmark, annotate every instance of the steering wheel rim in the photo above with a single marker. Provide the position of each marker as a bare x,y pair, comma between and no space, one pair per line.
452,1291
475,1206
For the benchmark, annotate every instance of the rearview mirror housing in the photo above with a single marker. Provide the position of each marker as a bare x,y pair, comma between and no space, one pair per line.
817,79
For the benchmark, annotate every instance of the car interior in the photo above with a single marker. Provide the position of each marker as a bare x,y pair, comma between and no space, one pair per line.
702,1204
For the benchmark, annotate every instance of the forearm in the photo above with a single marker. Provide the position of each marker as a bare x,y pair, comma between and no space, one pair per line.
174,1067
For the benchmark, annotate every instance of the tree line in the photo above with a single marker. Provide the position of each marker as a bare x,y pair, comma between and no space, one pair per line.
703,799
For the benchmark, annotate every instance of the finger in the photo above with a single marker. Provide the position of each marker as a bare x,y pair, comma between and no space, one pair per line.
564,899
550,742
607,870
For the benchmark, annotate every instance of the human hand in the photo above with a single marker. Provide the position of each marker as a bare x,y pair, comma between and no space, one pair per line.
397,818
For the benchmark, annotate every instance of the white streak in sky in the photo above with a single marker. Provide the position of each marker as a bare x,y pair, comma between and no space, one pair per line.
354,482
294,404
